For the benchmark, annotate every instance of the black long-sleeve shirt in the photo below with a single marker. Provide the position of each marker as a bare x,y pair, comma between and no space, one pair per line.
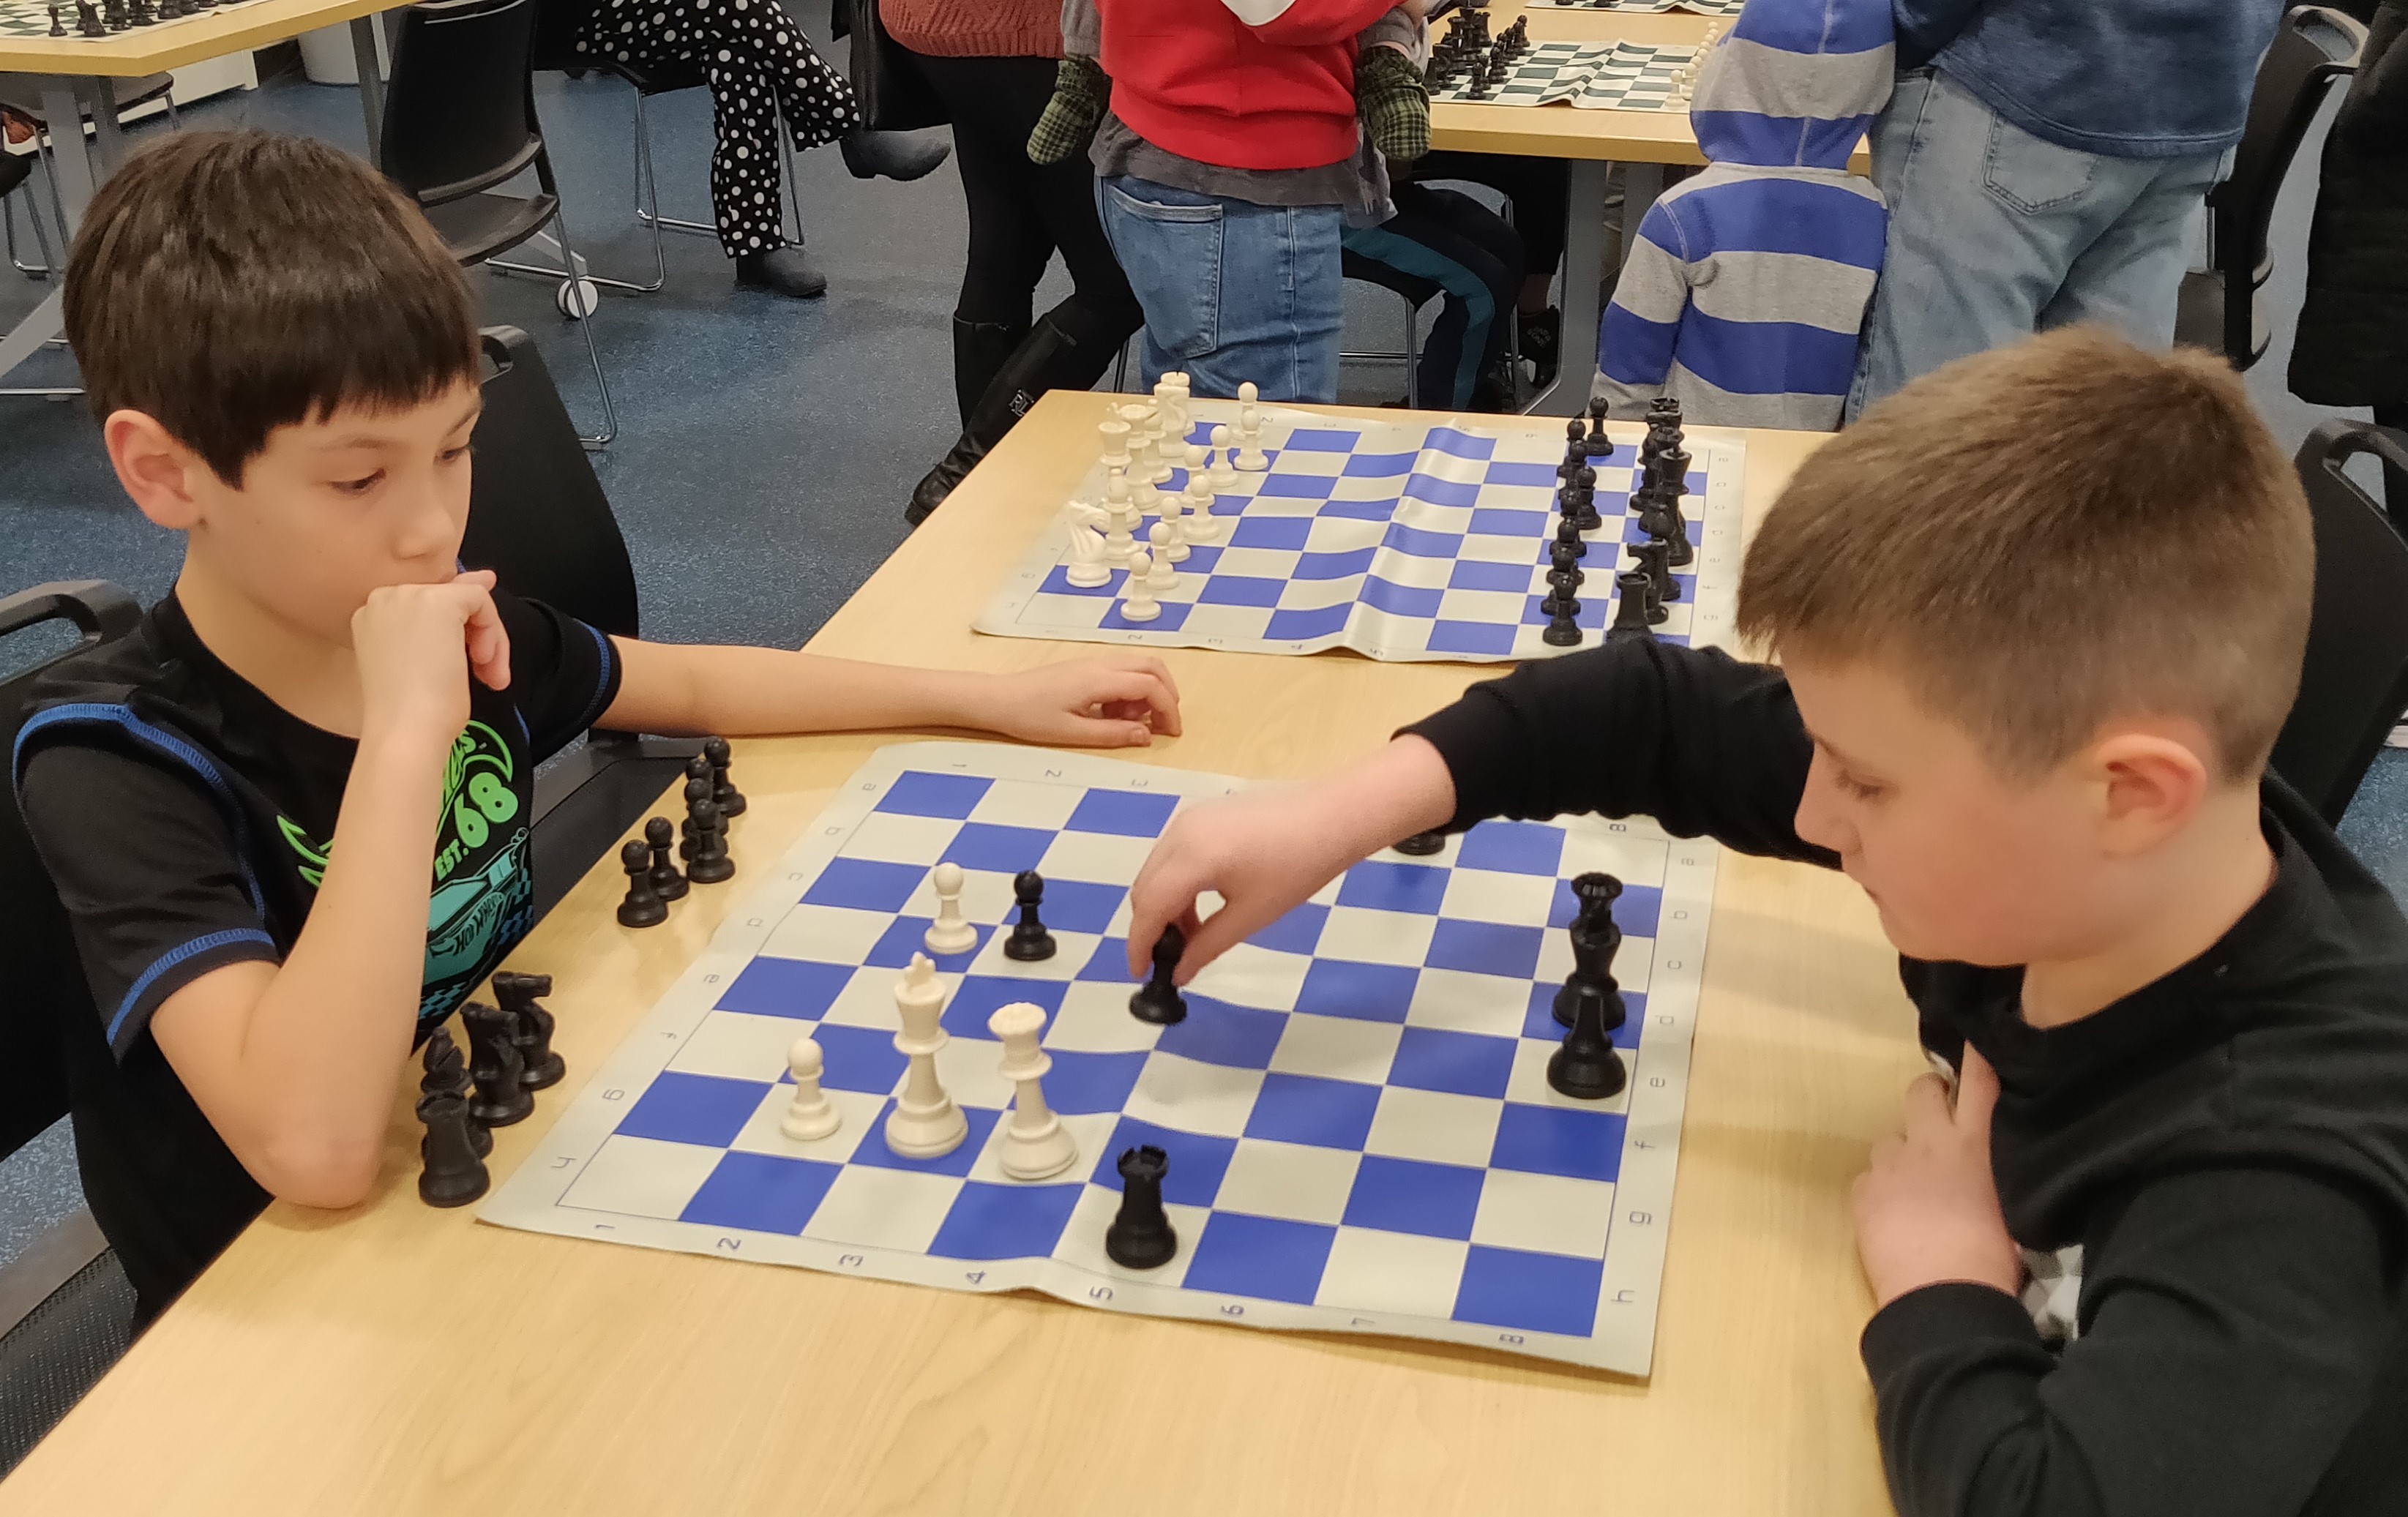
2229,1144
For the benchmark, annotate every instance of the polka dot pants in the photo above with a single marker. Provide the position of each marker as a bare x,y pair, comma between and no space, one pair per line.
760,67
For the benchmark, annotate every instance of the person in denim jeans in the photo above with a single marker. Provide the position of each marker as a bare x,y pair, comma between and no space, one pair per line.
2045,163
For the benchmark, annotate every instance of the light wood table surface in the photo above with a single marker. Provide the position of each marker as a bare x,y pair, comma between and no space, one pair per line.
396,1359
1643,141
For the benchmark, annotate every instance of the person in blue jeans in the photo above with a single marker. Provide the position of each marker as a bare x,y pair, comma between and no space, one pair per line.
2045,163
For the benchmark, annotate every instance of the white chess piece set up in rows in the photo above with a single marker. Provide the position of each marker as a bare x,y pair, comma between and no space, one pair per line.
1684,78
925,1123
1143,445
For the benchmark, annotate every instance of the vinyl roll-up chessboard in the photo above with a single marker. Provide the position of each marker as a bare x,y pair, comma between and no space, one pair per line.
1406,543
1360,1131
1591,76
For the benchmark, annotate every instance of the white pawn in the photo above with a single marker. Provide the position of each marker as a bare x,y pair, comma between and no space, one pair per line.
1223,475
1035,1146
1137,601
811,1115
925,1123
1119,512
1087,569
1251,457
1159,575
1199,524
952,932
1115,433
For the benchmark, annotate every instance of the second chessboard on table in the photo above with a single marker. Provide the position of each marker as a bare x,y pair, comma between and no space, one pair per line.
1591,76
1703,7
21,18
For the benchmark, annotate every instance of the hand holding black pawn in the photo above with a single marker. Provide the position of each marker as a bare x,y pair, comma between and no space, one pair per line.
500,1099
642,906
1030,941
708,864
667,883
531,1027
1140,1236
447,1074
1159,1000
1630,605
724,794
453,1174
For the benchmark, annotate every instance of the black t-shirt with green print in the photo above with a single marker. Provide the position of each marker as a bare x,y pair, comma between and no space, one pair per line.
186,820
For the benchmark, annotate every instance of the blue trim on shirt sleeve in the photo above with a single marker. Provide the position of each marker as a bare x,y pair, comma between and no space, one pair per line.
207,943
608,658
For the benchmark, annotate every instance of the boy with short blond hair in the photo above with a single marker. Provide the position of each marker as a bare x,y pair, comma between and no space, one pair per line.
242,803
2042,616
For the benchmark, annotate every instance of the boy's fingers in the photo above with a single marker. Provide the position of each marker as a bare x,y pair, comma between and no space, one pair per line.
1927,1103
1977,1092
1144,688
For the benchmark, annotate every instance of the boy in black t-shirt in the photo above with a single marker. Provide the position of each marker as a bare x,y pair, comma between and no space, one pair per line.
2042,615
240,804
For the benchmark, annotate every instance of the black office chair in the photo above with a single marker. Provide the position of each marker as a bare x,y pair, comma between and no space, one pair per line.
67,1310
459,122
2314,48
2354,683
538,518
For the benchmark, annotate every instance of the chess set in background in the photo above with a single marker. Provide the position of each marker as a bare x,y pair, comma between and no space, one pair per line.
97,18
1283,532
1355,1122
1725,9
1469,65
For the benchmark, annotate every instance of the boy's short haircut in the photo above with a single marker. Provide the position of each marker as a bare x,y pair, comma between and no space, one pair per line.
2049,537
229,283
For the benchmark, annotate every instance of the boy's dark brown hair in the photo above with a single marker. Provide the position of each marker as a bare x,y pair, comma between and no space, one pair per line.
229,283
2047,537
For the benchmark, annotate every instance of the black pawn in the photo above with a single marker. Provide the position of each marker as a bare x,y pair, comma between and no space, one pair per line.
1596,444
1587,1067
709,863
1563,587
1568,534
1159,1000
1562,630
143,12
500,1099
1421,845
453,1175
58,27
640,906
697,772
1631,610
531,1028
447,1074
667,883
1030,941
724,794
1566,562
113,13
1585,483
1142,1237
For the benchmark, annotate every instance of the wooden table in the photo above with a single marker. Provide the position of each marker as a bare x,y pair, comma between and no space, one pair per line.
398,1359
72,76
1643,140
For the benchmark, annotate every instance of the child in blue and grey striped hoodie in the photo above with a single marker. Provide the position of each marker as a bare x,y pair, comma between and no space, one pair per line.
1744,294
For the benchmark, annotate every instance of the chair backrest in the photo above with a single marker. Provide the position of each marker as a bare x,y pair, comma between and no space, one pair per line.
2354,683
2314,47
46,982
536,515
459,111
14,171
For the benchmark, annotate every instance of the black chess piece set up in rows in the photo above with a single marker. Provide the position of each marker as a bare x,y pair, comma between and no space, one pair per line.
654,879
511,1058
117,14
1467,54
1663,477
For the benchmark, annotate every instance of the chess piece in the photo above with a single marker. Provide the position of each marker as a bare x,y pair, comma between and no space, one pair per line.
1251,458
710,862
1030,941
1197,523
1160,577
1595,938
1654,561
640,908
88,22
1671,483
1121,519
58,26
668,882
494,1065
698,789
810,1115
453,1174
1421,845
1584,486
724,794
925,1123
1087,569
447,1074
1223,476
1035,1144
1140,1236
1159,1000
1137,599
1630,607
1115,433
1587,1067
531,1027
143,12
952,932
1568,536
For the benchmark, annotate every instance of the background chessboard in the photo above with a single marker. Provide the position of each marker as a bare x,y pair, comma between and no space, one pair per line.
1360,1132
1592,75
1409,544
32,18
1703,8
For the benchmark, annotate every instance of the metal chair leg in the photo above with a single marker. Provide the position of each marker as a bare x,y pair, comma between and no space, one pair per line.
651,215
594,355
790,187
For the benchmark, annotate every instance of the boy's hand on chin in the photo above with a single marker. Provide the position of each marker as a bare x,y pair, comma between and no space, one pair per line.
1927,1209
409,641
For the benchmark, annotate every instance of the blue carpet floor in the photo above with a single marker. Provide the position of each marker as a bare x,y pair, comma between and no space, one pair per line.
767,445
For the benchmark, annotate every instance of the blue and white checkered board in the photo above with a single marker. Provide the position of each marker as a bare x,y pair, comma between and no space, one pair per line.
1402,543
1360,1131
1703,8
1592,76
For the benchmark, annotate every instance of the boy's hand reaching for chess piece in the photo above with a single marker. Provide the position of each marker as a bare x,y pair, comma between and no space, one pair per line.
1926,1210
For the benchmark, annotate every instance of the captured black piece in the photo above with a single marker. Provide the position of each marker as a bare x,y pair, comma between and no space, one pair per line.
453,1174
1159,1000
724,794
1030,941
642,906
707,860
668,882
1421,845
1140,1236
447,1074
531,1027
493,1062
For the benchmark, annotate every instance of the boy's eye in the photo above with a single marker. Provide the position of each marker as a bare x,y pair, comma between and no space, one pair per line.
360,486
1860,789
453,455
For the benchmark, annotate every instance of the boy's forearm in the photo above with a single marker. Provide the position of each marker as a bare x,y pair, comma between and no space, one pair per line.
740,692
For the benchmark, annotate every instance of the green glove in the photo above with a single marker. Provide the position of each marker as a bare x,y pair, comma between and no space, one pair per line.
1080,91
1394,103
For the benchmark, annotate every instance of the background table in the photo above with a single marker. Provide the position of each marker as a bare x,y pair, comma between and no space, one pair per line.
398,1359
1592,140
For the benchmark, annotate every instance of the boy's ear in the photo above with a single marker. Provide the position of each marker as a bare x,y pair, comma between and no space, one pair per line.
2151,785
156,470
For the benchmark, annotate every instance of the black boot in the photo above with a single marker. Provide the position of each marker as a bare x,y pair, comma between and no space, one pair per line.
1066,349
785,269
900,156
981,349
